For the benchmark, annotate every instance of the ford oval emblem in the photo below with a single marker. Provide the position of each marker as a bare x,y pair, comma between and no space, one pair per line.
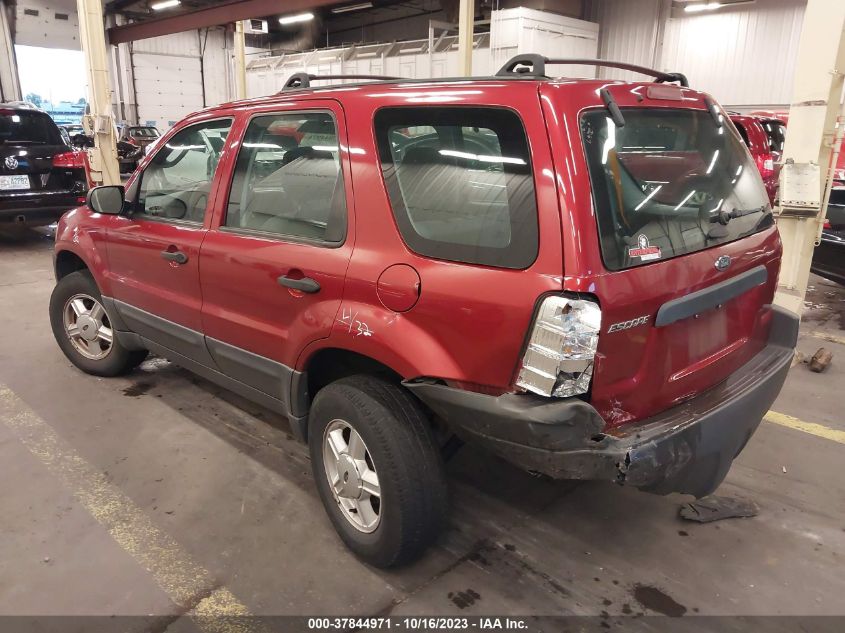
723,263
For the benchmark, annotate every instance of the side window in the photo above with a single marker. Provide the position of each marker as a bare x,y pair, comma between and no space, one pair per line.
460,183
288,179
176,183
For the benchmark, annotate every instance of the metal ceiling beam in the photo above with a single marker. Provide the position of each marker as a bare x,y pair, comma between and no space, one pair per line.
220,13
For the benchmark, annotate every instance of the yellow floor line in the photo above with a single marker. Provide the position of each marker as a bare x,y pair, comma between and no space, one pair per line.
828,337
807,427
182,578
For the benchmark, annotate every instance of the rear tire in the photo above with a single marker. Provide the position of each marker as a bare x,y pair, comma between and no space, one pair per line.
371,436
83,329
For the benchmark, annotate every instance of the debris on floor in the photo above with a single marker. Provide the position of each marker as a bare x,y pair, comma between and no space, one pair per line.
716,508
821,360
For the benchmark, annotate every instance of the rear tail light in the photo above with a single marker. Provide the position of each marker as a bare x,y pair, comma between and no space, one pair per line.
559,358
74,160
766,165
827,224
70,160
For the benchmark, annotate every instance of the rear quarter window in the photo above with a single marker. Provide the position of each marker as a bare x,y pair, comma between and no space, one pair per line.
460,183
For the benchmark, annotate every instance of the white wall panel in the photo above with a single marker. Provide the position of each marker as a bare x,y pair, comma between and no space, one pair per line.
744,56
629,32
167,87
217,67
172,78
47,23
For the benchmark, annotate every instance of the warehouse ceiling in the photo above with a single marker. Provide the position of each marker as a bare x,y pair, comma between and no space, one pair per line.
147,21
332,20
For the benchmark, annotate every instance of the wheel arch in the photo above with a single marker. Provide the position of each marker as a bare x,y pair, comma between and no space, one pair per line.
328,364
68,262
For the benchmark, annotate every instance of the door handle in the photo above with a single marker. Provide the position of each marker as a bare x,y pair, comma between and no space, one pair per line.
306,284
175,256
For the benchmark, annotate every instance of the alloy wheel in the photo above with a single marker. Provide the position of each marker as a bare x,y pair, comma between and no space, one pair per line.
88,327
352,475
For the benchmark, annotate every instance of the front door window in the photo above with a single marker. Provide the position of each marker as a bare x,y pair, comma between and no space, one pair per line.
176,183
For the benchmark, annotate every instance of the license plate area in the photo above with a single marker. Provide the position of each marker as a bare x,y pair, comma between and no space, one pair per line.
13,183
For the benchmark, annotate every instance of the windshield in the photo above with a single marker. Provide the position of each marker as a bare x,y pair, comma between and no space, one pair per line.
669,182
28,127
143,132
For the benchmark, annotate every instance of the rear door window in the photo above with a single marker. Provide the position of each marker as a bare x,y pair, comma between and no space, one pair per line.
460,183
288,179
669,182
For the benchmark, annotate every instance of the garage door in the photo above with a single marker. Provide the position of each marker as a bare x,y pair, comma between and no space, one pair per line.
167,87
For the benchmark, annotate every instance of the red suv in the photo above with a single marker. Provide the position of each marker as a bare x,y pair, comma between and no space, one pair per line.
576,274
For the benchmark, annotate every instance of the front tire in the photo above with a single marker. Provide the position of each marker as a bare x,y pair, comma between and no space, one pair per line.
83,329
377,468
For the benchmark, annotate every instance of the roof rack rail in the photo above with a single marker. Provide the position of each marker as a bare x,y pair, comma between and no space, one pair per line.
303,80
535,66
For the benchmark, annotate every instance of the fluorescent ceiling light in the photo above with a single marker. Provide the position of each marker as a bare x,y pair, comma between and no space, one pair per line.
353,7
708,6
166,4
293,19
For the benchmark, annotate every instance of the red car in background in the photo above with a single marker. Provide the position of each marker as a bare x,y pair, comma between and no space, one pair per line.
765,137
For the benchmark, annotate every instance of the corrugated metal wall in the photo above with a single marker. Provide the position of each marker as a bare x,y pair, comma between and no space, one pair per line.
627,32
744,56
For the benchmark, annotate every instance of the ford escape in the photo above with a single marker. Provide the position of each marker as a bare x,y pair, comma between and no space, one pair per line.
577,275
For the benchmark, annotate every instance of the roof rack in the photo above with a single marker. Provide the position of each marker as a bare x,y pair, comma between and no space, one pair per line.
532,65
303,80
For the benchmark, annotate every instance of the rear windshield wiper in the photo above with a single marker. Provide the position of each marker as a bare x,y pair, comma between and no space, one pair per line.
724,217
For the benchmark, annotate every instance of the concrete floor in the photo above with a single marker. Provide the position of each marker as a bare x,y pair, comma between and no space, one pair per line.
148,494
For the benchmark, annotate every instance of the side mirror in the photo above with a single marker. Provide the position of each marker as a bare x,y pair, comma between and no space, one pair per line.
107,199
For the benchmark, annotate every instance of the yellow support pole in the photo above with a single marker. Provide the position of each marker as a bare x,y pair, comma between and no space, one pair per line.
466,22
105,169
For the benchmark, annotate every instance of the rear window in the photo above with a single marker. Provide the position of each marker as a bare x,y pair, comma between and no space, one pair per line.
776,133
27,127
460,183
143,132
668,183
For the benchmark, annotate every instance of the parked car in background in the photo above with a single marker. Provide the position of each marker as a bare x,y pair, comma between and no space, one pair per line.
765,137
596,303
829,256
836,206
73,129
139,135
41,176
128,155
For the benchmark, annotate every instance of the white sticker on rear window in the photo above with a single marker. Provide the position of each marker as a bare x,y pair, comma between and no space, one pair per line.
644,250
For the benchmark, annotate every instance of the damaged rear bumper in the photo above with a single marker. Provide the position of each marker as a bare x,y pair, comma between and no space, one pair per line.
688,448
